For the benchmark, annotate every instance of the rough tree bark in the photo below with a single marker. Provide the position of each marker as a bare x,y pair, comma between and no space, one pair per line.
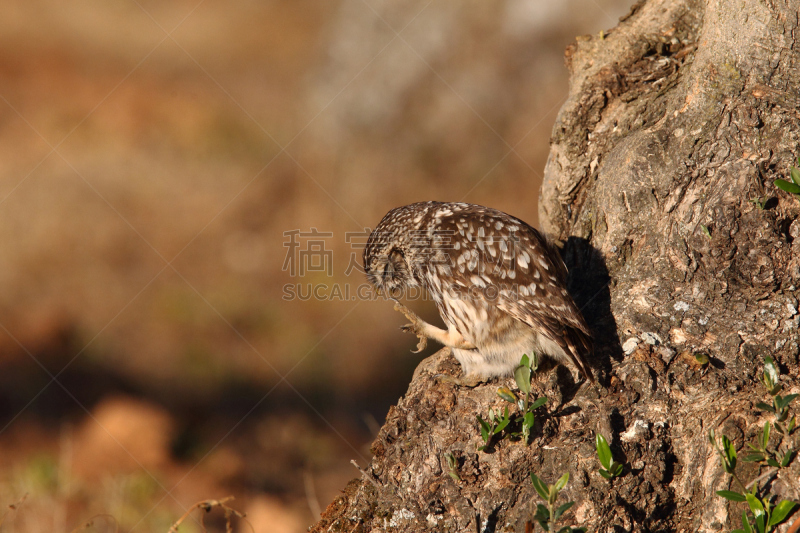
676,119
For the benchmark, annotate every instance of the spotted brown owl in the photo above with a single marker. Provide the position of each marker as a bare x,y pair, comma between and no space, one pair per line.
498,284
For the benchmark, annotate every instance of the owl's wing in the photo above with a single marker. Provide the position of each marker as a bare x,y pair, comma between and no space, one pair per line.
520,273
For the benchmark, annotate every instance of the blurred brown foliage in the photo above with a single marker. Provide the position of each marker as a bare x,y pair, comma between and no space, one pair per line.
153,156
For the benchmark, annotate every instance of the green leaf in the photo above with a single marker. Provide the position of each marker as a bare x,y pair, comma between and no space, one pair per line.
773,463
706,232
451,460
746,523
561,510
538,403
616,469
503,423
765,436
603,451
732,496
753,458
605,473
730,454
507,395
780,512
542,513
760,525
755,505
701,358
792,424
541,487
525,361
795,174
787,186
484,428
528,420
562,481
765,407
788,458
786,400
771,369
522,375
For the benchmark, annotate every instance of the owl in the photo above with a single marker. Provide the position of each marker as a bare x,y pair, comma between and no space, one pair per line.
498,284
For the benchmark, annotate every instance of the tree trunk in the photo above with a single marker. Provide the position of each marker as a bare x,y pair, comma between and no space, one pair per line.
677,123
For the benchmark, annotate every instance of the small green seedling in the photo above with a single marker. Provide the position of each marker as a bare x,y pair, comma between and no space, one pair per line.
493,426
792,186
766,515
452,466
548,516
780,404
522,375
517,425
701,358
611,468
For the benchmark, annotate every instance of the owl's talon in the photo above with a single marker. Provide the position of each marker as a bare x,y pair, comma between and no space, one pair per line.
414,328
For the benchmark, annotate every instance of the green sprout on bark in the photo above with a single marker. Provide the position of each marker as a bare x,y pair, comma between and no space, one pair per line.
765,513
611,468
549,515
792,186
520,424
452,466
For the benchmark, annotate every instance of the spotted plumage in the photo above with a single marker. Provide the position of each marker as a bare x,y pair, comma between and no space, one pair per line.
498,284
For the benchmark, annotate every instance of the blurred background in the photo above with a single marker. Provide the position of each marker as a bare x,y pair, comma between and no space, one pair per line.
184,190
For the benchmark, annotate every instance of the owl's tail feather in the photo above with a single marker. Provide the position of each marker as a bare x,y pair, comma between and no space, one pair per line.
578,347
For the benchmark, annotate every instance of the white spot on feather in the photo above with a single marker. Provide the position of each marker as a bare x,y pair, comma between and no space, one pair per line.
473,260
522,260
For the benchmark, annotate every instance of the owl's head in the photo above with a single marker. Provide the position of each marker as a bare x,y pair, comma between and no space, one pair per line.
389,266
392,255
396,252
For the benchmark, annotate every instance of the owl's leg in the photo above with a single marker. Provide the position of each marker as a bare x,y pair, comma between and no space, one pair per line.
426,331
